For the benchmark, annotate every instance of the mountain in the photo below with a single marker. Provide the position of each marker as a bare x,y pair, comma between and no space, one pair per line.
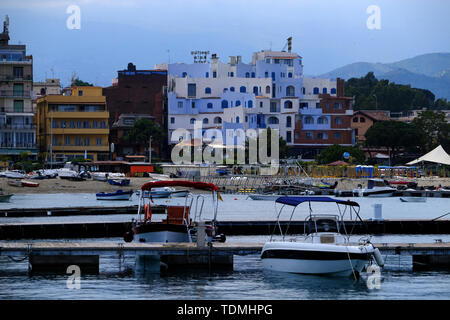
429,71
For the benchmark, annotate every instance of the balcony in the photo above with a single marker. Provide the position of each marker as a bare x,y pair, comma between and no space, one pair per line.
19,145
14,94
18,126
4,77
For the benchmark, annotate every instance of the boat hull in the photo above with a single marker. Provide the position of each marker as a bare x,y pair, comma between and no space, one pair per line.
5,197
317,259
161,232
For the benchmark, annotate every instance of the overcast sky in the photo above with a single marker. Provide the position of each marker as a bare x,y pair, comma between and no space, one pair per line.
326,33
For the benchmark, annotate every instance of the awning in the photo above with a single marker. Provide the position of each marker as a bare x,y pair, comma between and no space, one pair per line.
295,201
437,155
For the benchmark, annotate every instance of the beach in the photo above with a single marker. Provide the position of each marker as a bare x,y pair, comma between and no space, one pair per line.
58,185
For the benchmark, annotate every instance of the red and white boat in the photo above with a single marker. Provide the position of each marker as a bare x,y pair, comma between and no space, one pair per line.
28,183
175,223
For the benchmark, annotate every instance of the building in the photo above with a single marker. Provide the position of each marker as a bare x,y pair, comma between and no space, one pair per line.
47,87
363,119
326,124
269,92
17,128
138,92
74,126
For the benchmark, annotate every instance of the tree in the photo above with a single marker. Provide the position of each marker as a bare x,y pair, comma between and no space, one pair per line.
335,152
394,136
434,127
142,130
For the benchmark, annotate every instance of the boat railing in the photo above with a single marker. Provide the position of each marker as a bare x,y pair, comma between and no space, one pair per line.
200,200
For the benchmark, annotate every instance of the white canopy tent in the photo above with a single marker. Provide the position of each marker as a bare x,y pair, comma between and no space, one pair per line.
437,155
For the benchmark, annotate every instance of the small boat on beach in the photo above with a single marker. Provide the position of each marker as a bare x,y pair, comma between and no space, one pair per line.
325,248
118,195
119,182
5,197
413,199
15,183
273,197
28,183
14,174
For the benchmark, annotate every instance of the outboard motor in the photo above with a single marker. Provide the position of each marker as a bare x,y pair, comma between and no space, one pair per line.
128,236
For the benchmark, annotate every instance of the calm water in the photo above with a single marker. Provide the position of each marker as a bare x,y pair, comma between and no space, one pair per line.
124,280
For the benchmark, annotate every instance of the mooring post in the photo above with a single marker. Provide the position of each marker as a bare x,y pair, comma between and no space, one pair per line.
201,234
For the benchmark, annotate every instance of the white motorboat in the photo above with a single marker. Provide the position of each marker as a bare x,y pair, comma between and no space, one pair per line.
176,223
66,173
413,199
375,188
323,250
14,174
273,197
118,195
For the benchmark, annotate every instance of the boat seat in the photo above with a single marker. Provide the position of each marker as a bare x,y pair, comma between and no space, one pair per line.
175,215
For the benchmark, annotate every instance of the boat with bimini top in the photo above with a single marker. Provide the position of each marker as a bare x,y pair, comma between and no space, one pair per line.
325,248
176,223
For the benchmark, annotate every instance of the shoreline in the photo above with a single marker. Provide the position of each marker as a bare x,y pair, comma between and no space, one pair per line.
57,185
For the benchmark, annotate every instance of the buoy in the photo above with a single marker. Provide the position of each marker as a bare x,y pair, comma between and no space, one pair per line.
235,198
128,236
378,258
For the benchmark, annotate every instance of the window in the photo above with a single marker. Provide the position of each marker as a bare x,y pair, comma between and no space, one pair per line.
322,135
238,103
87,142
67,140
209,105
303,90
184,75
72,124
309,120
261,104
237,119
250,104
273,120
192,90
246,118
333,90
224,104
288,104
243,89
193,104
172,120
205,121
86,124
273,107
324,90
67,108
338,121
362,119
290,91
255,91
231,74
217,120
78,141
214,74
337,105
80,92
207,90
64,124
273,76
309,135
192,121
207,75
289,74
18,105
98,141
268,89
18,72
253,75
322,120
288,122
79,124
54,124
232,89
103,124
337,135
316,90
180,104
247,75
355,119
288,136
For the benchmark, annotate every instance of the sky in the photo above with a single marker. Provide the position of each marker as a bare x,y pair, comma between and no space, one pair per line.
326,33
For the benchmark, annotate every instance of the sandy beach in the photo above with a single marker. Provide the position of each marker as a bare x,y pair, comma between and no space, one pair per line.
93,186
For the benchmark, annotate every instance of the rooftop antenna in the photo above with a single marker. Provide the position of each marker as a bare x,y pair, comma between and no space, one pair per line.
168,55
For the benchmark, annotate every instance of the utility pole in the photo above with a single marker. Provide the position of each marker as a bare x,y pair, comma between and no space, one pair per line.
150,150
376,102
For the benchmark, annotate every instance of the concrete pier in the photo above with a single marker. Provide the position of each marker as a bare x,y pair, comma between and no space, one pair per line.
59,254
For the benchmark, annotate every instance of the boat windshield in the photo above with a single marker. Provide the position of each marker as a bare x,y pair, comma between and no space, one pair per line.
324,223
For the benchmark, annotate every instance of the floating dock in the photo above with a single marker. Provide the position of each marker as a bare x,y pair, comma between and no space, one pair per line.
42,255
71,230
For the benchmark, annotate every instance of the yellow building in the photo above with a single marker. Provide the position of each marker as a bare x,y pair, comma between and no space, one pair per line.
74,126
